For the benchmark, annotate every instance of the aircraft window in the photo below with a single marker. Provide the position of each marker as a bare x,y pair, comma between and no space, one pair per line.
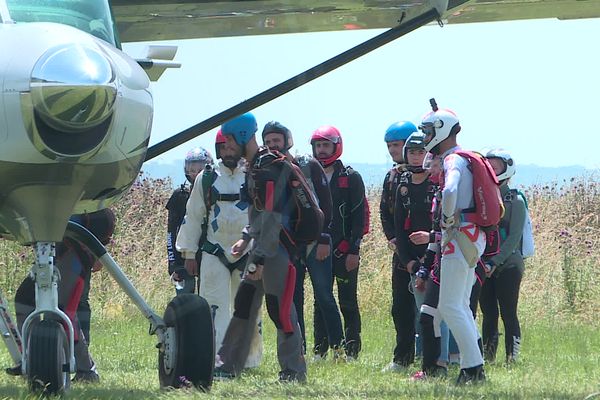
91,16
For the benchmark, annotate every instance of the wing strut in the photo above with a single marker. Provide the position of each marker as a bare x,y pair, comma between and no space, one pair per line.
293,83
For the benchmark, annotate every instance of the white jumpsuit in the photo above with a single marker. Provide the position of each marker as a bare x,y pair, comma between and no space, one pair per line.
225,223
457,277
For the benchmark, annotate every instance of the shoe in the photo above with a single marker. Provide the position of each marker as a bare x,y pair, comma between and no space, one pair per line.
290,376
220,374
317,357
393,367
86,377
473,375
14,371
419,376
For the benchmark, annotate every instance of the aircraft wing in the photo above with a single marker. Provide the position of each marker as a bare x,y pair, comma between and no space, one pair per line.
150,20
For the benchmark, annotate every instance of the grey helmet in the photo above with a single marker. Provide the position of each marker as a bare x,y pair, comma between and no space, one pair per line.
509,164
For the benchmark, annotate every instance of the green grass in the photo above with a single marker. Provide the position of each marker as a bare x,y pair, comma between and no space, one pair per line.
559,361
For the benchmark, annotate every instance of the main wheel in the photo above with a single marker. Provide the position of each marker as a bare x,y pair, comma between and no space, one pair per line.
188,355
47,361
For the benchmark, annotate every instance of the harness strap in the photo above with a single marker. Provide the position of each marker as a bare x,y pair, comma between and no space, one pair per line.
217,251
465,240
341,249
227,197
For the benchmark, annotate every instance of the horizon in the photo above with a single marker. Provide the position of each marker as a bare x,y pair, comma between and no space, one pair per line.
373,173
521,82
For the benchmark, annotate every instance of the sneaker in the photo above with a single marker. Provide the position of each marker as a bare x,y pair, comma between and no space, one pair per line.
472,375
317,357
220,374
14,371
393,367
290,376
86,377
418,376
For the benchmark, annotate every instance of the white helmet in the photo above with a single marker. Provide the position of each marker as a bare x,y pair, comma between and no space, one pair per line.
440,124
509,164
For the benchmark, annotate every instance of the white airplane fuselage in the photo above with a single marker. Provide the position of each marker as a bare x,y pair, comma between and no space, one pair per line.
75,119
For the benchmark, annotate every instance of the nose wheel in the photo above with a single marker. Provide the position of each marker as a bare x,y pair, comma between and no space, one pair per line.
48,364
187,356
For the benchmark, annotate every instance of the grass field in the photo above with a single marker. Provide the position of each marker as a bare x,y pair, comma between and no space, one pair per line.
559,361
560,302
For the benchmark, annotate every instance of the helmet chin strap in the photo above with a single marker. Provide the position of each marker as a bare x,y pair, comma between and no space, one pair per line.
324,163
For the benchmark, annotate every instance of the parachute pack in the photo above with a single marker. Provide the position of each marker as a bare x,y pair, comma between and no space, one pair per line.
527,241
306,218
486,192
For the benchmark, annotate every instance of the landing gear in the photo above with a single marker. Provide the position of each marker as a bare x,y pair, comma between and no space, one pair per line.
48,364
47,357
188,355
185,336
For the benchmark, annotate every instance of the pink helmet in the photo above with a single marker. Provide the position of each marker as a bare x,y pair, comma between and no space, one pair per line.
330,133
220,139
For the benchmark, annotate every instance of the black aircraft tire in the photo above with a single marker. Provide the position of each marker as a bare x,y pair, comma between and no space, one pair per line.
193,358
47,362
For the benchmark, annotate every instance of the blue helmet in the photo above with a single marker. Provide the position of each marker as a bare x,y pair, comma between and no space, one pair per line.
400,130
242,128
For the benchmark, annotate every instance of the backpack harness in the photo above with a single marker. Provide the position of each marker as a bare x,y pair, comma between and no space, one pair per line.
211,196
343,184
404,183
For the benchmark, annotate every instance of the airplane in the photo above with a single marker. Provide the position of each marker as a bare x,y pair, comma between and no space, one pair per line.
75,121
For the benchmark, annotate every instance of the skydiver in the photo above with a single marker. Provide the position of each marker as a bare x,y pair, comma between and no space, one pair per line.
269,273
314,257
505,269
349,224
457,275
195,161
213,221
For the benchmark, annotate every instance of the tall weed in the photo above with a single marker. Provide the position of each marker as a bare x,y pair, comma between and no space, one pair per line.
560,279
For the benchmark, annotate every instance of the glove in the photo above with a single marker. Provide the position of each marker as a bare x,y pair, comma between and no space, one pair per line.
447,221
422,273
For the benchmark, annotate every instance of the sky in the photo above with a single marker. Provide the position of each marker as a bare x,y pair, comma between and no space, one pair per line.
530,87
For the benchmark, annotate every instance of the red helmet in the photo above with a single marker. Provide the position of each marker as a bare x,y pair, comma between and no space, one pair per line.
330,133
220,139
